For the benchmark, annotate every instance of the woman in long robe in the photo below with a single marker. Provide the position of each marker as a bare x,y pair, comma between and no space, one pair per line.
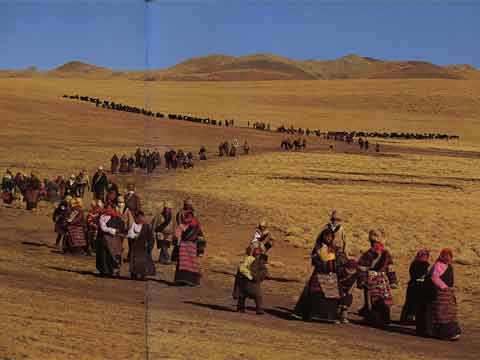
60,216
141,263
109,243
441,311
32,192
321,296
191,247
93,223
377,278
76,229
7,188
418,269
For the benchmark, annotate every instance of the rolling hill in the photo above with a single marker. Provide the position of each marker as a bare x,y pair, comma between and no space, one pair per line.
264,67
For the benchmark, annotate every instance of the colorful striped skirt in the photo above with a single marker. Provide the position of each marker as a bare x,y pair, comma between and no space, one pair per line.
379,287
76,236
444,307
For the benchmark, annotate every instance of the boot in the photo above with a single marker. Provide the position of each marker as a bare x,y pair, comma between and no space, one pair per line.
241,305
343,316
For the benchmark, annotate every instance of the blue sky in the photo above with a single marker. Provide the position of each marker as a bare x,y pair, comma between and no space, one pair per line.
112,32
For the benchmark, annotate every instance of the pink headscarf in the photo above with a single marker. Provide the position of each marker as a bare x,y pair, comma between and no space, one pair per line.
446,256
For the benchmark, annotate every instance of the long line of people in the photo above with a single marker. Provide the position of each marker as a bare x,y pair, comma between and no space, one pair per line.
116,223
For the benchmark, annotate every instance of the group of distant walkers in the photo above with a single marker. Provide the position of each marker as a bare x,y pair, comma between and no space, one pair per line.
296,145
144,159
112,105
260,125
30,189
225,148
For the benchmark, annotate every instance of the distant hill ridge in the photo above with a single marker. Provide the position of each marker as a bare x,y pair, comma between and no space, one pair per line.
218,67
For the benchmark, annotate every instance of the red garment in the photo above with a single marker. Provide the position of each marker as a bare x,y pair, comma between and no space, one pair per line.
188,260
110,212
76,236
446,256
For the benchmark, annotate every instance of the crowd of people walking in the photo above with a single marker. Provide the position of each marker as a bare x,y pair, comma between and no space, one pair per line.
117,231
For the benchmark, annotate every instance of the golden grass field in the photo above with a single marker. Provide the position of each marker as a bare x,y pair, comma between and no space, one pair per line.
419,193
450,106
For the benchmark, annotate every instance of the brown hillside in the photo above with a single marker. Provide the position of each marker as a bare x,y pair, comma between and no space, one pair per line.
265,67
80,69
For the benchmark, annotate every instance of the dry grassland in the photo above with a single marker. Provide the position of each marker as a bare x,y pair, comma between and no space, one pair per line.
418,197
447,106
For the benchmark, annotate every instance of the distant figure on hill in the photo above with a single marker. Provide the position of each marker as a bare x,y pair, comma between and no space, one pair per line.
114,164
32,191
83,182
246,148
99,184
123,164
202,153
360,143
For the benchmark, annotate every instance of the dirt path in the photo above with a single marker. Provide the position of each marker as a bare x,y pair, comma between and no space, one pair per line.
203,322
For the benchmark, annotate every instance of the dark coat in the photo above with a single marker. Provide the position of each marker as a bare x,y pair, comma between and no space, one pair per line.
132,202
141,262
99,183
